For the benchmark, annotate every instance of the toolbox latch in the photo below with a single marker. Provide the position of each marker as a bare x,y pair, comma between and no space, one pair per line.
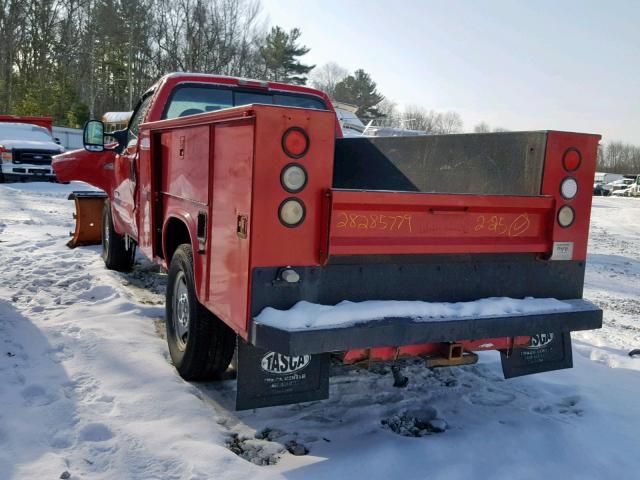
242,223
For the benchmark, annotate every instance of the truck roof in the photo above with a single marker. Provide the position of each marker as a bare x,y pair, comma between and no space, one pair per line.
178,77
23,135
45,122
168,82
23,127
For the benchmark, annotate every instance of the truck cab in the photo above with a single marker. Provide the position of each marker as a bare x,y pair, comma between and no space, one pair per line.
26,148
174,96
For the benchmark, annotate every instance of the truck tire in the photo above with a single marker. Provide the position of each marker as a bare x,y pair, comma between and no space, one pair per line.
114,249
201,345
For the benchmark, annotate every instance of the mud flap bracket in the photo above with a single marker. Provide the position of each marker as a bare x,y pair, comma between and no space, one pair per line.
267,378
546,352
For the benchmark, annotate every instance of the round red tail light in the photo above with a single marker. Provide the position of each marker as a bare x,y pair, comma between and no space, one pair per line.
571,160
295,142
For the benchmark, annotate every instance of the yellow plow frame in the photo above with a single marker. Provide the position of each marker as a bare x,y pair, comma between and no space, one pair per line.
88,217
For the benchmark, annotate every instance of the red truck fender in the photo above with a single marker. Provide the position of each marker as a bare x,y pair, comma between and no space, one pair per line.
180,227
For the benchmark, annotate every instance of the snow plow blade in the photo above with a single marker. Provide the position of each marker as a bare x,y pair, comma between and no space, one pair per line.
583,315
88,218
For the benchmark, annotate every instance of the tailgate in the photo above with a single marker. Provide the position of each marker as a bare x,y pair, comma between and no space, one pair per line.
365,222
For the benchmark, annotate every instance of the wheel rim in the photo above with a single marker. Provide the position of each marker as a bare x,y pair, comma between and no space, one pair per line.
181,310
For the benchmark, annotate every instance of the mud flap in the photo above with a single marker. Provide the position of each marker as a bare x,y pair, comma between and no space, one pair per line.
266,379
546,352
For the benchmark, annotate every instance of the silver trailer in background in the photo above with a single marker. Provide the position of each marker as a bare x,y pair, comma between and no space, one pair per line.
69,138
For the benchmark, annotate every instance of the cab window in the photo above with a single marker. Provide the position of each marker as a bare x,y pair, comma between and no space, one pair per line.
193,99
136,120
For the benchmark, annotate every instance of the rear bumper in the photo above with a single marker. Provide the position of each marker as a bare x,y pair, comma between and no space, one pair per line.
408,331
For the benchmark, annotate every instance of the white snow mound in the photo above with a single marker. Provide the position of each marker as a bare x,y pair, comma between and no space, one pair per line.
306,315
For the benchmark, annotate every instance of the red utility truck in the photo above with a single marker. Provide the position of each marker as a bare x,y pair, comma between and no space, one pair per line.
250,197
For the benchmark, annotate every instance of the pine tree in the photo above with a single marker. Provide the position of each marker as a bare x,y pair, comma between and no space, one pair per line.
360,90
280,54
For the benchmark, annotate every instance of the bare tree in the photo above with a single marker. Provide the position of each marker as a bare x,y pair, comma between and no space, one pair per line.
619,157
326,77
391,116
450,122
418,118
430,121
482,127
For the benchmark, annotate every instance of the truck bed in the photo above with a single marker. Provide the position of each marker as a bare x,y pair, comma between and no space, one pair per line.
509,163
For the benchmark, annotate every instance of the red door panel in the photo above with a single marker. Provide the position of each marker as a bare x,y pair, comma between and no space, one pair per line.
228,271
123,202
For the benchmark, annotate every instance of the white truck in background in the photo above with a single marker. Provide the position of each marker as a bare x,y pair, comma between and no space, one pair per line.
26,148
634,189
601,183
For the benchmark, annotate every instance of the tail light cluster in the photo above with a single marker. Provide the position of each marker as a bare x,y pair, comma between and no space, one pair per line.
293,178
5,155
571,161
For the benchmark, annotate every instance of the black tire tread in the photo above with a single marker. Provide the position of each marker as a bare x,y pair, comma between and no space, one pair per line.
211,342
116,257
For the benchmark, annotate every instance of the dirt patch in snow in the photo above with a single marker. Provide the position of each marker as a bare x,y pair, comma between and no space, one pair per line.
416,423
255,450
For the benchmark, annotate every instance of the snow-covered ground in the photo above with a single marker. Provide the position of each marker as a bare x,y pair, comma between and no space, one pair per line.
87,389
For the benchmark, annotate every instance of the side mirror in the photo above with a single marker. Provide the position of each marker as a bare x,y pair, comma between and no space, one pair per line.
93,136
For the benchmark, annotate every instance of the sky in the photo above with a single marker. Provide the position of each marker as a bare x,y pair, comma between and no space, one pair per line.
552,65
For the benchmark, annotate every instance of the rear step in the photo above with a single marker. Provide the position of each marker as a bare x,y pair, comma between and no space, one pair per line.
582,315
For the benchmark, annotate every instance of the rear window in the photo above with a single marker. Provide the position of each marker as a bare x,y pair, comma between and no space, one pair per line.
193,99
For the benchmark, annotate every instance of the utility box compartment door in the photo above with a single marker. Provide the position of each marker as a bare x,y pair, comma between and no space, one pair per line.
418,223
229,222
185,170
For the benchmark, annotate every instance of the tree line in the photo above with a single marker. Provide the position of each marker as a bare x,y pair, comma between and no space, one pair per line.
359,89
619,157
75,59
